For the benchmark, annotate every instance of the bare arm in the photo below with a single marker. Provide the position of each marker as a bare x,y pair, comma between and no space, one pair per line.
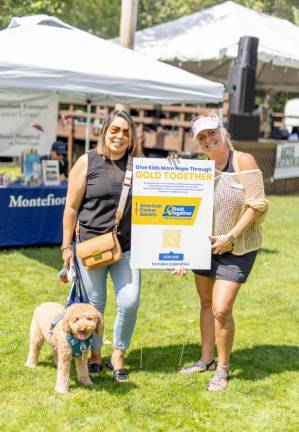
222,243
75,193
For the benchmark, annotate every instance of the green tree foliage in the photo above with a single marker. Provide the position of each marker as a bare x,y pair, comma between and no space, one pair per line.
100,17
153,12
10,8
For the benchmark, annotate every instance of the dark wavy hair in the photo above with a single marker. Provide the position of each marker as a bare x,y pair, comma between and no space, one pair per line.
133,146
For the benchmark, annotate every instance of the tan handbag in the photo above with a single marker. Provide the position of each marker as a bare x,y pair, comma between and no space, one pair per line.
105,249
99,251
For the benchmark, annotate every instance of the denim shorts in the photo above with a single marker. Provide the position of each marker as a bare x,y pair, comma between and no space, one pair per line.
230,267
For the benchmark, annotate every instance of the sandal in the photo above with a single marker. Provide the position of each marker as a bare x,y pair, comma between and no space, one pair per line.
218,381
120,375
198,367
94,368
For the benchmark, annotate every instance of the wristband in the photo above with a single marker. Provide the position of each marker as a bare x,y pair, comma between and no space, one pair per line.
63,248
231,238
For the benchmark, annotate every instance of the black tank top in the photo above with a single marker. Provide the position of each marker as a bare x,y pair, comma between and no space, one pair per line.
98,207
229,167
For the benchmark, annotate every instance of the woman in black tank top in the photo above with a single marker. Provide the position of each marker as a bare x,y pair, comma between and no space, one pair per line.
94,189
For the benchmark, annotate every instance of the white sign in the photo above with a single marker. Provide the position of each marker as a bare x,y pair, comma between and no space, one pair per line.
287,161
172,212
51,172
30,124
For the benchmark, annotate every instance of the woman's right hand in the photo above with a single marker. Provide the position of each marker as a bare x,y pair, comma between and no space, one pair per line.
179,271
67,256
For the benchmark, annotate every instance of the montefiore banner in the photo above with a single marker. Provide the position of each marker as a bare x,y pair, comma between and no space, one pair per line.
172,213
28,124
31,215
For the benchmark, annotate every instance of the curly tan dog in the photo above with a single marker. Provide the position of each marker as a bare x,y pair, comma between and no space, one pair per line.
79,321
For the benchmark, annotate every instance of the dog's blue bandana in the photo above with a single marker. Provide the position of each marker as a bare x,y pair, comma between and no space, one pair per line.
78,346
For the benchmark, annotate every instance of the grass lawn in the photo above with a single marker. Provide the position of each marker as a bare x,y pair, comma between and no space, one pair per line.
262,394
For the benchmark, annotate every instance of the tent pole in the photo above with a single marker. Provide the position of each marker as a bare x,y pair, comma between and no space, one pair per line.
87,128
70,140
128,23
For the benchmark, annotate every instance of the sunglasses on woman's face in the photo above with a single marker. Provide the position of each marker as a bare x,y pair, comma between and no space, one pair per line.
114,130
205,134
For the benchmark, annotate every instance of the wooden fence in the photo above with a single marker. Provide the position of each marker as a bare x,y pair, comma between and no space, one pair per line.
167,128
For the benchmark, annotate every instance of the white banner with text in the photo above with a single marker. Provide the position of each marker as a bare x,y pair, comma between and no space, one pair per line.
30,124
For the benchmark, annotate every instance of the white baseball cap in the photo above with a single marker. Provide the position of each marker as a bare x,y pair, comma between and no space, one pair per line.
203,123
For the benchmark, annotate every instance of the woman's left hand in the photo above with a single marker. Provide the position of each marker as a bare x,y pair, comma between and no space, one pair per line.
221,244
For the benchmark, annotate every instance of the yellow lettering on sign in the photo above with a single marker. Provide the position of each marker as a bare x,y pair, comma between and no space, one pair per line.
148,174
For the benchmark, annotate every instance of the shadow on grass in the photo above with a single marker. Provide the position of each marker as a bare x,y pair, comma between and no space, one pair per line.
104,382
48,255
260,361
254,363
268,251
250,364
101,382
47,363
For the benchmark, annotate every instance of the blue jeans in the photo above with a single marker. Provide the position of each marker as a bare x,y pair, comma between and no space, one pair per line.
127,290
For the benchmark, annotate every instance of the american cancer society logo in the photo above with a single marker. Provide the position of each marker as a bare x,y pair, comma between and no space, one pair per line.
178,212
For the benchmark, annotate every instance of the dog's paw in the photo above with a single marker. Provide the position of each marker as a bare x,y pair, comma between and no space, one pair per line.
61,389
86,381
30,364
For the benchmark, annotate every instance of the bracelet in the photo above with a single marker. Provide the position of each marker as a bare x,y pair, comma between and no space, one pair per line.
231,238
63,248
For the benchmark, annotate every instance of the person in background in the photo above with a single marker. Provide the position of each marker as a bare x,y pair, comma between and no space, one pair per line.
265,114
94,189
294,136
59,152
239,207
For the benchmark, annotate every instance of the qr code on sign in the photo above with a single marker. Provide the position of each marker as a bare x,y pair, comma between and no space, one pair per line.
172,238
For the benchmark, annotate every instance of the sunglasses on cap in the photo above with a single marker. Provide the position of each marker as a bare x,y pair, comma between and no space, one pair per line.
114,130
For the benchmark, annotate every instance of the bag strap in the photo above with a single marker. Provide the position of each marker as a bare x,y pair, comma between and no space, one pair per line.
122,200
236,162
124,192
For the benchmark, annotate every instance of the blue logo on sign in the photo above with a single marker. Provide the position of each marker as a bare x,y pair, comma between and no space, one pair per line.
171,256
183,212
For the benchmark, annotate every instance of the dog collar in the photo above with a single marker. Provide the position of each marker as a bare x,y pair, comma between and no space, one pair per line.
78,346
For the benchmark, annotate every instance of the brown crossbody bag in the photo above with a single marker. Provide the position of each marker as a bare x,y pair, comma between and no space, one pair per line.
105,249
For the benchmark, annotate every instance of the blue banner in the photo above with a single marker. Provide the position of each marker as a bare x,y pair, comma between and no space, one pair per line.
31,215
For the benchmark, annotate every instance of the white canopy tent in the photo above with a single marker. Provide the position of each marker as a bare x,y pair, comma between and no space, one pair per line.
206,42
43,54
